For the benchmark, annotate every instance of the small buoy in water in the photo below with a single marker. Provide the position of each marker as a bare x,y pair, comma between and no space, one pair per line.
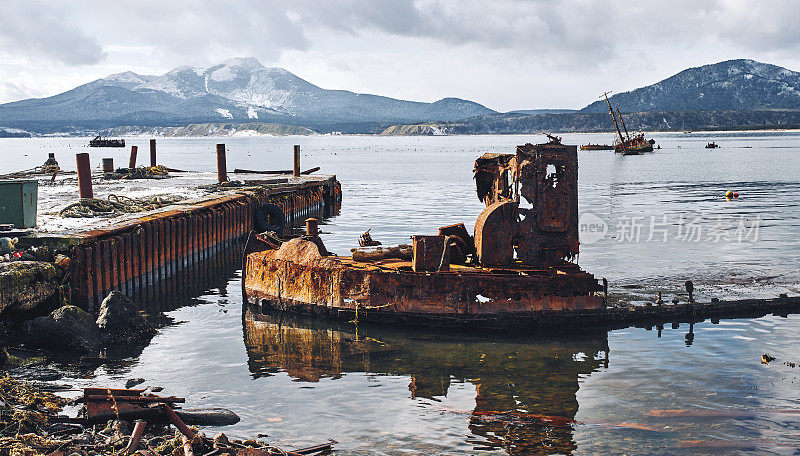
735,195
729,194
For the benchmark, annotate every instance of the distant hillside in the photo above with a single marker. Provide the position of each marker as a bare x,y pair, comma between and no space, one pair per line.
413,130
235,91
13,133
724,86
542,111
601,122
213,129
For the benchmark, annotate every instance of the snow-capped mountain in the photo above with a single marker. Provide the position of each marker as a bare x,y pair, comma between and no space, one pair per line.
729,85
238,90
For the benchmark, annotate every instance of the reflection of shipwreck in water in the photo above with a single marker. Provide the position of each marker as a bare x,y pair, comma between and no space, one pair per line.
516,271
526,389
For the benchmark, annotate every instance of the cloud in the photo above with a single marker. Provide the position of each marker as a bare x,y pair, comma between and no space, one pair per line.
198,31
552,30
522,48
32,26
567,32
12,91
559,33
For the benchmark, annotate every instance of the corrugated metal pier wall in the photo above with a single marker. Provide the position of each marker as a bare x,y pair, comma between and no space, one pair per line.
140,256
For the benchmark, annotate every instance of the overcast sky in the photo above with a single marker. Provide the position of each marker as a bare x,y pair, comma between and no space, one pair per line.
504,54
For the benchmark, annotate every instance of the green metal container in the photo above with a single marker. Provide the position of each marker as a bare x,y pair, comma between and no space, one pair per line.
18,198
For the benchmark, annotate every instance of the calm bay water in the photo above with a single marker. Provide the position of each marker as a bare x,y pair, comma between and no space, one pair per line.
399,391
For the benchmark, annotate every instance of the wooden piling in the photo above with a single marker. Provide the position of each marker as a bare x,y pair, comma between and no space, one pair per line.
84,175
296,160
152,152
222,168
132,161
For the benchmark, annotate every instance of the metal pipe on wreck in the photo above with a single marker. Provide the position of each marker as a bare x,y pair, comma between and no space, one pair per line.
132,161
152,152
108,165
84,175
222,167
296,160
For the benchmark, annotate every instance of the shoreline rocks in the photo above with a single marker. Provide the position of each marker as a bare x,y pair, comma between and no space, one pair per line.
72,329
68,328
120,323
26,284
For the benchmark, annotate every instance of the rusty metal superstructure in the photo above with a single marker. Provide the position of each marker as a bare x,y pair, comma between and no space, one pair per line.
531,198
514,271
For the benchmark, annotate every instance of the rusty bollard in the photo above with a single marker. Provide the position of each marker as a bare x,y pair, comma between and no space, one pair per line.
312,227
132,161
108,165
222,166
296,160
152,152
84,175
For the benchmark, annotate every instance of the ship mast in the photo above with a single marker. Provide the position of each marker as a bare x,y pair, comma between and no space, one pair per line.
614,117
623,123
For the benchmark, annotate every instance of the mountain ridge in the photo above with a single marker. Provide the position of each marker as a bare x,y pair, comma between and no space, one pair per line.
238,89
740,84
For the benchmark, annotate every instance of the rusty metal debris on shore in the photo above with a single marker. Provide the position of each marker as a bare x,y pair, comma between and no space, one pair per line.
116,422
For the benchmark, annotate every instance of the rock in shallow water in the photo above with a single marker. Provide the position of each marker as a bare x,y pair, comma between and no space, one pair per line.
67,328
120,322
26,284
133,382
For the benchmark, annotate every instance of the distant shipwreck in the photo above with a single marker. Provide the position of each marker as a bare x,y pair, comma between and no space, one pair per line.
99,141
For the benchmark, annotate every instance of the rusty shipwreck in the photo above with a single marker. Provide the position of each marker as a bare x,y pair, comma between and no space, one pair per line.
517,270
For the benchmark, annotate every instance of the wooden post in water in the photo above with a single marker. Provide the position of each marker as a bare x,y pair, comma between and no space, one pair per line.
132,161
222,167
84,175
152,152
296,160
108,165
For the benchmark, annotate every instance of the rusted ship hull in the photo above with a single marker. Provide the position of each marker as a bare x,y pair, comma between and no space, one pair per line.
516,270
97,141
296,278
633,149
597,147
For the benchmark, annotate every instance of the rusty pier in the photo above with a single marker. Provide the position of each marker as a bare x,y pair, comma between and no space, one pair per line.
139,254
181,245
